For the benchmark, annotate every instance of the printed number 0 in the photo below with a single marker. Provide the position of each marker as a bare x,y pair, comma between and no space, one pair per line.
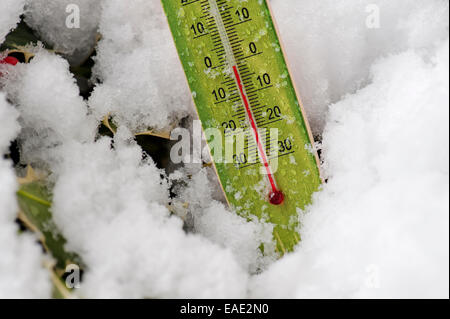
208,62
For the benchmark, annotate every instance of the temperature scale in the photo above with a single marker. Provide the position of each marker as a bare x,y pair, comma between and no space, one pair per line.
241,85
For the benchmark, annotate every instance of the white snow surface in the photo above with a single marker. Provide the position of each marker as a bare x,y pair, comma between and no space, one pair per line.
211,219
142,82
52,111
22,274
378,97
331,49
51,18
121,227
379,228
9,16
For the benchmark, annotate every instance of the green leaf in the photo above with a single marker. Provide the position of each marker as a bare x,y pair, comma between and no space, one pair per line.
19,37
35,203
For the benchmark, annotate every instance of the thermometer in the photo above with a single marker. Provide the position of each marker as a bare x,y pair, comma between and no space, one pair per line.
242,88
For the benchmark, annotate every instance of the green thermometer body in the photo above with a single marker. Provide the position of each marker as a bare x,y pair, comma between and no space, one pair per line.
241,87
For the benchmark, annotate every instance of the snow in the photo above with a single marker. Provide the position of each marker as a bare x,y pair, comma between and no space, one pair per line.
142,82
379,228
331,49
115,193
378,97
9,127
209,217
50,18
52,111
124,232
10,16
22,274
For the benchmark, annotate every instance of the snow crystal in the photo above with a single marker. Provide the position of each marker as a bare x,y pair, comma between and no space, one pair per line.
244,238
331,49
9,16
142,81
212,220
113,212
51,109
22,274
9,127
56,23
380,226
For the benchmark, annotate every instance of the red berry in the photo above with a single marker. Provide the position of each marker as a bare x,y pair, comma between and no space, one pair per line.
276,197
9,60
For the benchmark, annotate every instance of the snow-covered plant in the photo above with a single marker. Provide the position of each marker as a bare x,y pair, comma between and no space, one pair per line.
91,205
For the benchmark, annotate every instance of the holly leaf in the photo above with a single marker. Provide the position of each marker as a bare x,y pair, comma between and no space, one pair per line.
20,37
109,124
35,203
